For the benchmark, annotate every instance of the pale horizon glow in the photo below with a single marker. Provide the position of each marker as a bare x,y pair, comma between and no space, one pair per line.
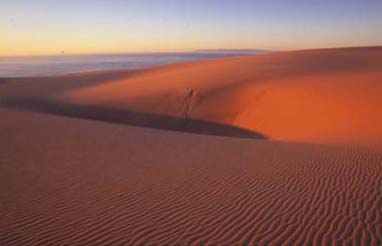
43,27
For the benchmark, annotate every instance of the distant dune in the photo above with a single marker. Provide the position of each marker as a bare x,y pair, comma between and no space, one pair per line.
79,166
232,51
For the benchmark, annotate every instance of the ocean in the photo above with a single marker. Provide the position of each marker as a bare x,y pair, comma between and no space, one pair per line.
63,64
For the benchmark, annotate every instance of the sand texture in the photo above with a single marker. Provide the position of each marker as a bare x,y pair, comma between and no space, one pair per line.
276,149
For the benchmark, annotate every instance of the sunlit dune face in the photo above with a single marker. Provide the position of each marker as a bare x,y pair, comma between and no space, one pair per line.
337,108
310,96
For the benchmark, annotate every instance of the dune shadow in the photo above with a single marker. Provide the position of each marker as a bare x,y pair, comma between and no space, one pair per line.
133,118
4,80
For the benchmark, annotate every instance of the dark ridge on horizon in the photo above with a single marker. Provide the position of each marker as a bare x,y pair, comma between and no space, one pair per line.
334,48
233,51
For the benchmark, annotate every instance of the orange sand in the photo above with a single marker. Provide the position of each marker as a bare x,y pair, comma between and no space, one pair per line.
78,165
79,182
329,95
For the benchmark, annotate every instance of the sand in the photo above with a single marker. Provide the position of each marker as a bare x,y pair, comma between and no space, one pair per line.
310,96
189,154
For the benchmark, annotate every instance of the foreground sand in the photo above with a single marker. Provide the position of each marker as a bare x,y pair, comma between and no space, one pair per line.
79,182
78,168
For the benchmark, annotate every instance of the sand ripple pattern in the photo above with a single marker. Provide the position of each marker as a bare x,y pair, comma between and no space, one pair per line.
205,191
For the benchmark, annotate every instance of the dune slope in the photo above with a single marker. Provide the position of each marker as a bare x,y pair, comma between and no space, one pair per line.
328,95
79,166
78,182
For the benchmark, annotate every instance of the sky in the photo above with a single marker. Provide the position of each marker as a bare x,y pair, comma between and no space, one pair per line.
48,27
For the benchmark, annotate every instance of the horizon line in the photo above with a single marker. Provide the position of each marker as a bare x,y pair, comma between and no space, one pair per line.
221,50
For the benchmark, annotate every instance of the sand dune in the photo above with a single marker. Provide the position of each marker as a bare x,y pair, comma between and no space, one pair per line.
133,118
319,96
330,95
80,166
93,183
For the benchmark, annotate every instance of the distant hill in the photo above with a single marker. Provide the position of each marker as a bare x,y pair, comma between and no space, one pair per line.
232,51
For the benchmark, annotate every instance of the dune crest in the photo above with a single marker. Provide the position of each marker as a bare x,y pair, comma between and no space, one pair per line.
330,95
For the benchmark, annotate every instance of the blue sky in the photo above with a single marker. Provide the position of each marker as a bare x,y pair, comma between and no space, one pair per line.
119,26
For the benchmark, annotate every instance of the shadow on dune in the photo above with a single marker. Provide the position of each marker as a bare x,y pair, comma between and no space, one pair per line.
129,117
4,80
